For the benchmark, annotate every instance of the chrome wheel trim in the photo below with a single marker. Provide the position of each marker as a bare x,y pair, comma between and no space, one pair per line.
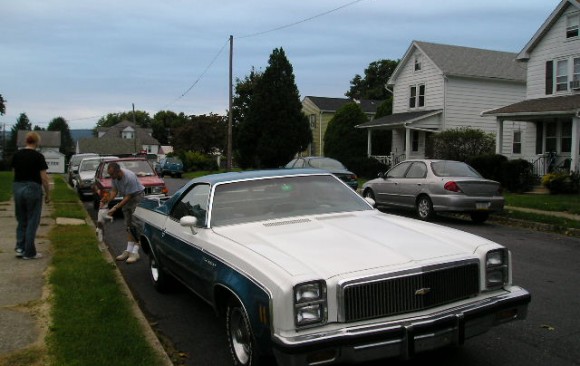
423,208
240,336
154,269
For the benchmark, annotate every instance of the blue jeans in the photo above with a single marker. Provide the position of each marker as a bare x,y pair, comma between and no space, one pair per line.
27,207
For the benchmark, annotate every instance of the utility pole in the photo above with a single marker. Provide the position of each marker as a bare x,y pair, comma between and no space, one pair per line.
135,123
230,117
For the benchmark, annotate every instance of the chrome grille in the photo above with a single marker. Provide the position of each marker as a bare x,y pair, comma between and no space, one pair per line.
414,292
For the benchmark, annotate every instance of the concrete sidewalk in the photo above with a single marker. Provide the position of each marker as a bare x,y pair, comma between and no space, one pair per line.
23,294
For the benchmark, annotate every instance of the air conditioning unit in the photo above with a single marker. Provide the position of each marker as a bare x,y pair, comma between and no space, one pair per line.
575,84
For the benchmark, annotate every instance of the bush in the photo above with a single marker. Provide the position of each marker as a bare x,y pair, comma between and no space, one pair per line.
559,183
460,144
517,175
490,165
194,161
365,167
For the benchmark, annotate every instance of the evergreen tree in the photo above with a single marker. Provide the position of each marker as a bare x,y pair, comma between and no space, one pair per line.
22,123
66,142
275,128
2,105
342,141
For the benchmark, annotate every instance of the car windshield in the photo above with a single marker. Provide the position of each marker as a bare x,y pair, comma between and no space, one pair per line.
327,164
141,168
90,165
277,198
173,160
453,169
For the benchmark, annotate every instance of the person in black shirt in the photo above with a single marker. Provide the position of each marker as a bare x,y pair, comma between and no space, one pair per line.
29,178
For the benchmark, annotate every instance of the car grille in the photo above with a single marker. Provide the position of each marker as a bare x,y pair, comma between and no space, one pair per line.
413,292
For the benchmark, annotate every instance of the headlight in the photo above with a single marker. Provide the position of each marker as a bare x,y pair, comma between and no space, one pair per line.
156,190
496,269
310,305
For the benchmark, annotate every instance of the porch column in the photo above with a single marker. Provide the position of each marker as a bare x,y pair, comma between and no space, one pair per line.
407,143
369,142
499,136
575,149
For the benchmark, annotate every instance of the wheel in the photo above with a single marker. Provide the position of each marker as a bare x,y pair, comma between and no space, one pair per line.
159,278
479,217
368,193
425,208
240,339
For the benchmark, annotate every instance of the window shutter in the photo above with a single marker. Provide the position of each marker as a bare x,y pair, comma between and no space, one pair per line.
549,77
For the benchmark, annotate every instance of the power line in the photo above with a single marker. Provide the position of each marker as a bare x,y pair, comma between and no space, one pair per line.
301,21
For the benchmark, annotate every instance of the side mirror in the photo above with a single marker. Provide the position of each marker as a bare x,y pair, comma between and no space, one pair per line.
189,221
381,175
371,202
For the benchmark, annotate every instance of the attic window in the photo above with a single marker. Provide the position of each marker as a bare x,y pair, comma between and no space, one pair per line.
417,63
573,25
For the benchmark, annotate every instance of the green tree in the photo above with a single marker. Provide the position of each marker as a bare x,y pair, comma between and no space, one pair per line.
342,141
165,125
66,141
275,128
142,119
205,134
22,123
2,105
372,85
460,144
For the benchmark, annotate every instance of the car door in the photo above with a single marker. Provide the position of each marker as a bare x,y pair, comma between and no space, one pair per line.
387,192
183,249
413,183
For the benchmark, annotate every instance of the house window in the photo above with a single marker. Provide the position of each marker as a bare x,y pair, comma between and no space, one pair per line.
417,63
551,137
417,96
517,143
566,139
572,26
576,72
415,140
312,121
562,75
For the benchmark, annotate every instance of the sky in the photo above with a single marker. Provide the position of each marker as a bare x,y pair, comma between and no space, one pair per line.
81,59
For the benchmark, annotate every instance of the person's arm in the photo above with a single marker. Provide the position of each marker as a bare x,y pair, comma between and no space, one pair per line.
45,185
110,197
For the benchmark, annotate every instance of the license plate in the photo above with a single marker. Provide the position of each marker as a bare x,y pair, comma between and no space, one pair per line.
482,205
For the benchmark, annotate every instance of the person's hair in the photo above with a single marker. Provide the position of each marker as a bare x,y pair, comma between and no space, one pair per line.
114,166
32,138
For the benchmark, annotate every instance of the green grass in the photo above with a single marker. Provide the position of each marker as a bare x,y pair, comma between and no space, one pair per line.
569,203
6,186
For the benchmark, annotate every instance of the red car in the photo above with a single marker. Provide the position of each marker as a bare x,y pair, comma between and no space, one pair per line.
154,185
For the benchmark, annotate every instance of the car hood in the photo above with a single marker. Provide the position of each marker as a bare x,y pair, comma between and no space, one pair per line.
338,244
87,175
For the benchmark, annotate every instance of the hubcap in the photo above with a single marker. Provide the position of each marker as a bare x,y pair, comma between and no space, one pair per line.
240,336
423,208
154,270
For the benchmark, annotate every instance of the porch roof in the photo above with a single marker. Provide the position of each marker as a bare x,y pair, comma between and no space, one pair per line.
399,119
564,105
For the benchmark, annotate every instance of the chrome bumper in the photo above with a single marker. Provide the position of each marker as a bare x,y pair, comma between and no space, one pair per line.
403,338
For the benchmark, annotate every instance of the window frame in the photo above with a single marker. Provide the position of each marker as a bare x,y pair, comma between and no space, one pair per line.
573,26
517,142
417,95
561,75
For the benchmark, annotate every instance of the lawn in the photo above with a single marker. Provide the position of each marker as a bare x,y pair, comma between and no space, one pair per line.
569,203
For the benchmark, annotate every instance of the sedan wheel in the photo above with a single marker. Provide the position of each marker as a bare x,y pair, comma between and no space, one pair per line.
425,208
158,277
240,339
369,194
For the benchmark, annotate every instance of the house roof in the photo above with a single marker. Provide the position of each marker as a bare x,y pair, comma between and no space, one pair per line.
545,27
466,62
143,134
334,104
47,138
564,105
399,119
109,146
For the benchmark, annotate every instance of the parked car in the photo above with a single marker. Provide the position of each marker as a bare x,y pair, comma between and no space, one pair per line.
154,186
431,186
171,165
84,178
73,165
303,268
330,165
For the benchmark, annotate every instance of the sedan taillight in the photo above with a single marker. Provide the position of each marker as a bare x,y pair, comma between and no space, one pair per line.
452,186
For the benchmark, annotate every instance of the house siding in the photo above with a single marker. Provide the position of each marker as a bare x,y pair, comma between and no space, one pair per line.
430,75
552,46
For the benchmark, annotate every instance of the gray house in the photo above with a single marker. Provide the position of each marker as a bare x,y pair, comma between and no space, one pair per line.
122,138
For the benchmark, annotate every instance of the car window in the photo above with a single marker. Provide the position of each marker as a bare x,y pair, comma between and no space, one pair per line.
417,170
193,203
87,166
398,171
453,169
327,164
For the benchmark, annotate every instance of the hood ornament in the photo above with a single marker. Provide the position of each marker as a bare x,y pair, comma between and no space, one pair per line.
422,291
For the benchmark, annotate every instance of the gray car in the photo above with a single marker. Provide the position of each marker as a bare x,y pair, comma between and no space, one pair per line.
431,186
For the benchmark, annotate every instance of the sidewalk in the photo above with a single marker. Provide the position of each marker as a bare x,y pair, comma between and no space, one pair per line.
23,294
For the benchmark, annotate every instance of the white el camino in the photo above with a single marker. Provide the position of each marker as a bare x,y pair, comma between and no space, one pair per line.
306,271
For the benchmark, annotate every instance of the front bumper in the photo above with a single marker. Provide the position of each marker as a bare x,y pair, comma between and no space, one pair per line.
403,338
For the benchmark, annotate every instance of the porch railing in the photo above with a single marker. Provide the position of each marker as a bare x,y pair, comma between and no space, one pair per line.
391,159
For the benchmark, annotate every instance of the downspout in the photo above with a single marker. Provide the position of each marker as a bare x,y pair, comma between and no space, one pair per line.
444,122
320,134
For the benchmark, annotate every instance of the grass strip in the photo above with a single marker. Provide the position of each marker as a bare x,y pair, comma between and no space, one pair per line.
92,320
6,179
569,203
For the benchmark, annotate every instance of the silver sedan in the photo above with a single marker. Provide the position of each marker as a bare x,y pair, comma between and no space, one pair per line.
431,186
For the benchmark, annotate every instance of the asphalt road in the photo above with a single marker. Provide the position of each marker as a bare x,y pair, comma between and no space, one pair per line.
547,265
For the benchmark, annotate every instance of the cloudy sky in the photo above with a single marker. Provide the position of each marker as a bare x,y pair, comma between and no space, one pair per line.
83,59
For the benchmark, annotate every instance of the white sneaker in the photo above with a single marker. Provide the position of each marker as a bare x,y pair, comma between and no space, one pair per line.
123,256
133,257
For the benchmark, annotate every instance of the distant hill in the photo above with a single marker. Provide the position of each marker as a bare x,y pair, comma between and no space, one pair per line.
80,134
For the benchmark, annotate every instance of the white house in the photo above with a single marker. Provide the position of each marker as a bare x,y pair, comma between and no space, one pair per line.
551,109
49,147
439,87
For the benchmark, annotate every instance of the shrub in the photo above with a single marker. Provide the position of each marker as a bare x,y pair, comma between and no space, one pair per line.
559,182
194,161
461,144
365,167
517,175
490,165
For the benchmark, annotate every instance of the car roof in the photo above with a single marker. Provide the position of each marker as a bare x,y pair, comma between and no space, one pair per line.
258,174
